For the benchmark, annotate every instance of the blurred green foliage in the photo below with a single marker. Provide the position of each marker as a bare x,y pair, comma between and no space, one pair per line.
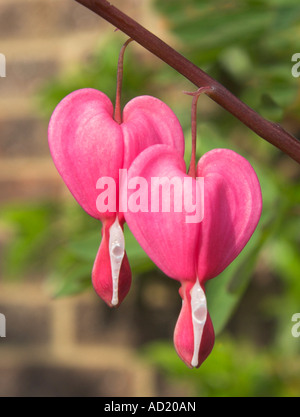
248,47
234,369
246,44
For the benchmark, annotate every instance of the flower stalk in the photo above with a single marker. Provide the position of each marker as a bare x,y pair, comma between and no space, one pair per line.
195,95
118,110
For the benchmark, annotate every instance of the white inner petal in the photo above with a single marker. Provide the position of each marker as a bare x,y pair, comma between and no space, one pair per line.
116,253
199,315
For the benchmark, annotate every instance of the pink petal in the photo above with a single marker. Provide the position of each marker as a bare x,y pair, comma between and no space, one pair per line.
166,237
86,144
184,334
149,121
233,204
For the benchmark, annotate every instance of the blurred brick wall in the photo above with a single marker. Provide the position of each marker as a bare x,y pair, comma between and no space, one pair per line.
68,347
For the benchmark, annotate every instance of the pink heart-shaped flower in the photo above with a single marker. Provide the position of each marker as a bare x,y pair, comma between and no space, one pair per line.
231,202
193,248
88,145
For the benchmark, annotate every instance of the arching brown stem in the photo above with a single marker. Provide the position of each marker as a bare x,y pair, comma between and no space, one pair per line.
271,132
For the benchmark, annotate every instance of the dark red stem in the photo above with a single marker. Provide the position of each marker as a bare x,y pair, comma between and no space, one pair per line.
118,110
195,95
271,132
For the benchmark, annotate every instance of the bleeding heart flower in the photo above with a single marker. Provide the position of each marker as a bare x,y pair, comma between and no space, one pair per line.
194,252
87,144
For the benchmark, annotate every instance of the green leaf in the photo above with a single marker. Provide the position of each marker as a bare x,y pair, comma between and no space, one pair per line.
74,281
31,237
225,291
